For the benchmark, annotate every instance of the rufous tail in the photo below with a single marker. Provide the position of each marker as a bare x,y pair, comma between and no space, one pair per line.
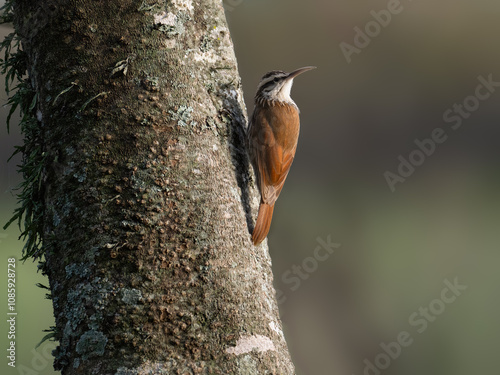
263,223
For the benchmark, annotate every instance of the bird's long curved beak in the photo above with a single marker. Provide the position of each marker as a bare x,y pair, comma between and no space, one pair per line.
296,72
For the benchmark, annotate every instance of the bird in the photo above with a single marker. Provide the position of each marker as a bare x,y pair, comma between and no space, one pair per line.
272,137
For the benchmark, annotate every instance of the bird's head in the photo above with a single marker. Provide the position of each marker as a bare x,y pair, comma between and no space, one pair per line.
275,86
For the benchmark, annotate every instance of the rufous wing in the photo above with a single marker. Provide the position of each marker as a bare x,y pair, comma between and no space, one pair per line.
272,148
272,159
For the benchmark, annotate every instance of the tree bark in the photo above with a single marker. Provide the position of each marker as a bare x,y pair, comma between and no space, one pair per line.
148,196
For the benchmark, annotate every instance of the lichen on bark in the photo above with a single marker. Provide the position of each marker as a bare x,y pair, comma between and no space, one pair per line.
147,190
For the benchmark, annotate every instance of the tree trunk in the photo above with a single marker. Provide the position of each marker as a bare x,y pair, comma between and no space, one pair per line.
147,191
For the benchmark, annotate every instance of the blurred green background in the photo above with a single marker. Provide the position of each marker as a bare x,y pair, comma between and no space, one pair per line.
396,249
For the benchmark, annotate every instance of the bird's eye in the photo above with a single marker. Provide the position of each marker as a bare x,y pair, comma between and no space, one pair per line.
276,79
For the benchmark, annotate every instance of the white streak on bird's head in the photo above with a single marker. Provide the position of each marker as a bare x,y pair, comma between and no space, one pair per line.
275,86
